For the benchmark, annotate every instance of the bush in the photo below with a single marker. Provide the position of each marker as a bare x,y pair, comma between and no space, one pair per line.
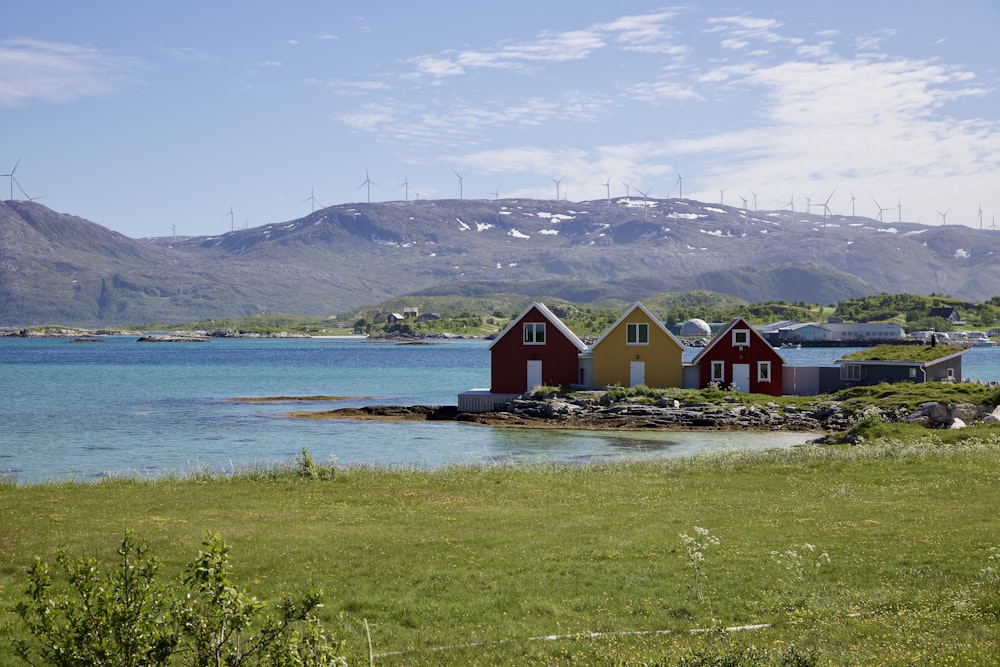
122,615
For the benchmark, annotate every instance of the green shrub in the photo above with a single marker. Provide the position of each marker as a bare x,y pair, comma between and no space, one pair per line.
121,615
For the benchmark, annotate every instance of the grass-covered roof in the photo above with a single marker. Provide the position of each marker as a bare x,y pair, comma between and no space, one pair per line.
912,353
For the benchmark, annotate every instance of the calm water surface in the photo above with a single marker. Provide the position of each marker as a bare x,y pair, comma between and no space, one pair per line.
88,410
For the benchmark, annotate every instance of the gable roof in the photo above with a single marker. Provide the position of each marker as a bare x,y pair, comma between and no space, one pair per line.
722,335
548,315
637,306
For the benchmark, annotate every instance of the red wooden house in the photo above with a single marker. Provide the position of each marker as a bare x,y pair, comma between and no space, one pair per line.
740,357
536,349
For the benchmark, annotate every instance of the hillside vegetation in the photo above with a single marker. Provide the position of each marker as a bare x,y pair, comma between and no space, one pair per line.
484,314
56,267
913,311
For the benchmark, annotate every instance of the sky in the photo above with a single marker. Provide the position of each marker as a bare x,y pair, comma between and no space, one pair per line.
197,118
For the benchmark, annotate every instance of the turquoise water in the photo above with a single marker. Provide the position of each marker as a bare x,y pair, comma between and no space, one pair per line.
88,410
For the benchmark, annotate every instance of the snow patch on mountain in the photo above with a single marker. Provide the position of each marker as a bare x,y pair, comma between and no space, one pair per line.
555,217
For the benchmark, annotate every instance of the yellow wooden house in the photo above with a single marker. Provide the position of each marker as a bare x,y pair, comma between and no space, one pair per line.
638,350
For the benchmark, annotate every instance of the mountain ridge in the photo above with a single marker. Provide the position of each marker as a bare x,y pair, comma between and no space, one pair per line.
56,267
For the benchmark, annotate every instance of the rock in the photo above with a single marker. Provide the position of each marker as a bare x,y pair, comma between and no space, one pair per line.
966,412
956,424
936,412
993,417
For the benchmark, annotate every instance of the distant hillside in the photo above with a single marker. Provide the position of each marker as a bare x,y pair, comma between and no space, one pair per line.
56,268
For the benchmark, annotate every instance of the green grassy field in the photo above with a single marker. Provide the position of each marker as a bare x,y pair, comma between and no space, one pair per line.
868,555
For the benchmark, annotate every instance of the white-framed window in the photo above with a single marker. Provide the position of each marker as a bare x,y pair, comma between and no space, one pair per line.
951,373
763,371
637,333
741,337
850,372
718,371
534,333
913,373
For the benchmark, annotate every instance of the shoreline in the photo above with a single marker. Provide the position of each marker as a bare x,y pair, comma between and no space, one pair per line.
543,414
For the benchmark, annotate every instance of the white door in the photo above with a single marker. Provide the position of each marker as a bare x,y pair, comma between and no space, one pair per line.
636,373
741,377
534,373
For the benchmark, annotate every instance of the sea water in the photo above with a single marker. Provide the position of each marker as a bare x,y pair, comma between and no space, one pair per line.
85,411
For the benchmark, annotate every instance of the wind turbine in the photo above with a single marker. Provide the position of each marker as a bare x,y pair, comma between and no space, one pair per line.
754,201
312,198
557,182
852,204
232,222
980,216
722,194
644,194
406,188
496,194
809,206
13,180
880,209
680,184
607,190
460,179
826,204
944,217
791,203
628,189
899,205
369,182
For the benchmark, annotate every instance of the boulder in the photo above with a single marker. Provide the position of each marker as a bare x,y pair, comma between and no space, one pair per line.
967,412
993,417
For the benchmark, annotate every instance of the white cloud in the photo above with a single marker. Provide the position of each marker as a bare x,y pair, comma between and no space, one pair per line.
662,91
33,70
745,28
641,33
647,33
449,123
873,119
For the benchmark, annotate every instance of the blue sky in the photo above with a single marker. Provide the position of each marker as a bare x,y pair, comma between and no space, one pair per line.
149,117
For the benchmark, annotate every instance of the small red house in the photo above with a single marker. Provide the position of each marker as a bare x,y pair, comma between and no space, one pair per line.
536,349
740,357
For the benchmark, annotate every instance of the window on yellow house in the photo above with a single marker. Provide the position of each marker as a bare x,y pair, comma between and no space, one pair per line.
637,334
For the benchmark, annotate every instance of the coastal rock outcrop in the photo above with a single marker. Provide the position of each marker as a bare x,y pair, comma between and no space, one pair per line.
587,412
934,414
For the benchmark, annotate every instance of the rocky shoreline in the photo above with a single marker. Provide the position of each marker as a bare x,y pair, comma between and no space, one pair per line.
589,412
625,415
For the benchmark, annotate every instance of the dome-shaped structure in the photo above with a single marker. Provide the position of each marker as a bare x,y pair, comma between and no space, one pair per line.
695,328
